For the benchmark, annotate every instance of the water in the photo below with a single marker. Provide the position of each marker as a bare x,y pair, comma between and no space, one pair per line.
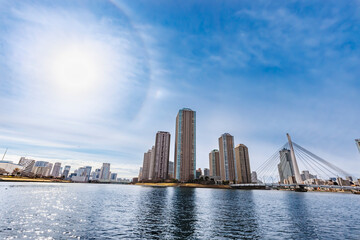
96,211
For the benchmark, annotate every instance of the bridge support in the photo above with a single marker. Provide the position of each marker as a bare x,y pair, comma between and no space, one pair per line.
294,162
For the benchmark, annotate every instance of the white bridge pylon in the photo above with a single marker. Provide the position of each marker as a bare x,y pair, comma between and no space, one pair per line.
294,162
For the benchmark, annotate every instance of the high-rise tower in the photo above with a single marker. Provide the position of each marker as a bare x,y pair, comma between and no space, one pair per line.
185,145
243,173
214,163
162,151
227,161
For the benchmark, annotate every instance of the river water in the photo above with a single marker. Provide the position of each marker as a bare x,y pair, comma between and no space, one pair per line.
102,211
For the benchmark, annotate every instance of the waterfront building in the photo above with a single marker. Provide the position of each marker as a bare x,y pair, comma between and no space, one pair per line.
242,163
254,178
227,161
81,172
105,172
152,165
146,165
88,171
135,180
162,151
171,170
40,168
28,165
113,177
285,167
9,166
343,182
48,169
56,170
140,174
198,173
66,171
214,163
97,173
206,172
185,145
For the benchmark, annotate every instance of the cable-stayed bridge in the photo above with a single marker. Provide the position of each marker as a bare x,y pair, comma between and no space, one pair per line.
282,170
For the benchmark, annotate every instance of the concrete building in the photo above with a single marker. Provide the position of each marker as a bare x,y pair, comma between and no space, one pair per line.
48,169
28,165
66,171
198,173
254,178
285,166
56,170
41,168
81,172
140,174
171,170
227,160
242,164
343,182
146,165
113,177
206,172
152,165
162,152
9,167
185,145
88,171
105,172
214,163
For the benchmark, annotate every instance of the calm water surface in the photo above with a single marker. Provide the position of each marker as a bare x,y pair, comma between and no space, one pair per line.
95,211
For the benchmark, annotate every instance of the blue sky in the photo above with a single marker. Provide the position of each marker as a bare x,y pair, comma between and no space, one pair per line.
86,82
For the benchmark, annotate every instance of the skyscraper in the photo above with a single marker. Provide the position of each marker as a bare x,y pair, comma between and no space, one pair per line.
206,172
171,170
162,151
185,145
226,154
40,168
146,165
66,171
27,163
56,170
254,178
105,172
285,166
152,164
214,163
242,163
88,171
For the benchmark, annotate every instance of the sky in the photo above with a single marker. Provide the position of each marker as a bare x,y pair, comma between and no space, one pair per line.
87,82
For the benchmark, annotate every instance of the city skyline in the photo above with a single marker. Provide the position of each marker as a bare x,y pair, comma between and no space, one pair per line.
263,77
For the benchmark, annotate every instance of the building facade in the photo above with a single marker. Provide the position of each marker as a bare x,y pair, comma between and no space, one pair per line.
242,163
66,171
56,170
214,163
105,172
146,166
28,165
227,160
162,152
171,170
185,145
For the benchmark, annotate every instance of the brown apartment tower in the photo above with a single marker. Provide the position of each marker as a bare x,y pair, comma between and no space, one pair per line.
243,172
227,161
185,145
146,165
214,163
162,151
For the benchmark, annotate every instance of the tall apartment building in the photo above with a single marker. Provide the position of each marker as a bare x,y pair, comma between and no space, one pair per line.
146,165
171,170
105,172
185,145
214,163
40,168
56,170
28,165
242,163
152,164
162,151
226,154
66,171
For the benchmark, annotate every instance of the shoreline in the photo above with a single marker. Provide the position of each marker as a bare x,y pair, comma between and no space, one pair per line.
184,185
